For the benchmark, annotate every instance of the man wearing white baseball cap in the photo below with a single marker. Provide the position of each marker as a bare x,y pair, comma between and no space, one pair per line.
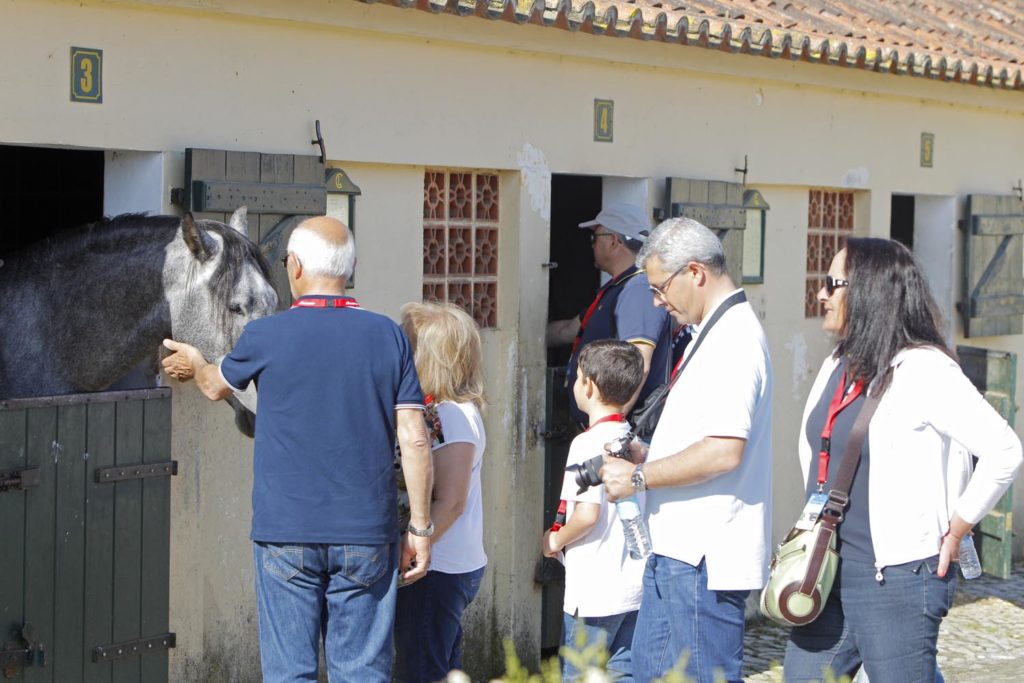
623,308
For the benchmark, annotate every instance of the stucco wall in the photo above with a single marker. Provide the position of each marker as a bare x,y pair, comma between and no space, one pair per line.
400,90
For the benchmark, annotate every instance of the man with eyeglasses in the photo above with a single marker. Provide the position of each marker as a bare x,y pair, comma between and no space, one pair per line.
622,308
708,471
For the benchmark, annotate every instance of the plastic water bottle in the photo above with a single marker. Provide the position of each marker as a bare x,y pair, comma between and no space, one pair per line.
970,566
638,539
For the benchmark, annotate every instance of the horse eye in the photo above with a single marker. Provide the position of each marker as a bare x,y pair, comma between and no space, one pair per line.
235,308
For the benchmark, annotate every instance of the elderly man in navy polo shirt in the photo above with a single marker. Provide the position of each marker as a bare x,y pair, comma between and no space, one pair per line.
622,308
335,384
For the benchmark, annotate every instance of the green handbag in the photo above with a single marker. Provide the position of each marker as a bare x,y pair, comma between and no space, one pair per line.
805,563
801,575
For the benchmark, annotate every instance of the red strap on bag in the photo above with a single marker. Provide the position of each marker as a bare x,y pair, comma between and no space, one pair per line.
840,400
560,516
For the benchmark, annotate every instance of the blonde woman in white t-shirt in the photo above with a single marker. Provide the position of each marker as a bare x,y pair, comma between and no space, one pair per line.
428,629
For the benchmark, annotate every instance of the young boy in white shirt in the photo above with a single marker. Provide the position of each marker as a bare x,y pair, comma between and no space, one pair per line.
602,583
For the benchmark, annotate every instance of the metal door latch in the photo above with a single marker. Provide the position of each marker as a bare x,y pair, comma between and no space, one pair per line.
557,433
18,654
19,480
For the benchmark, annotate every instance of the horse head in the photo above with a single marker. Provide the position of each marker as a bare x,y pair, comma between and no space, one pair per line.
216,281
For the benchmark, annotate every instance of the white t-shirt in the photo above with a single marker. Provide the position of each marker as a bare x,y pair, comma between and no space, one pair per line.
726,391
600,578
461,549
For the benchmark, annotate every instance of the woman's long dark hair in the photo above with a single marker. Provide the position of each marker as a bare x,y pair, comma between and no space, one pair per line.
888,309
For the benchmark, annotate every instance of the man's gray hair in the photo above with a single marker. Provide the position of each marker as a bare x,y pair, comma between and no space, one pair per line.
678,241
321,258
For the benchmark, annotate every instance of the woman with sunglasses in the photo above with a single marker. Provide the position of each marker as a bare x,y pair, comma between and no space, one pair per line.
913,496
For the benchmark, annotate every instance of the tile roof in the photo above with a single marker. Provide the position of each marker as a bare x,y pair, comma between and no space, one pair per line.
959,41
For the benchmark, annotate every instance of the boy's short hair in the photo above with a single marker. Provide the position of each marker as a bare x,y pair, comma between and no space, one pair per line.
616,367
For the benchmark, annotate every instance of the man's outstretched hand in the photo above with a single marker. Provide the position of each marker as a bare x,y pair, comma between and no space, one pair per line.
181,365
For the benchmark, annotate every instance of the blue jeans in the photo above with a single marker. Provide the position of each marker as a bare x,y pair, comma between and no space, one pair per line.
428,625
615,632
679,617
891,627
343,595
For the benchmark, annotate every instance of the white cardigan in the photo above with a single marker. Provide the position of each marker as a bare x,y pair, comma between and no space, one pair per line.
926,426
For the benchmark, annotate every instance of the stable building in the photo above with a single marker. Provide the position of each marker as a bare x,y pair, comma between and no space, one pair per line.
464,141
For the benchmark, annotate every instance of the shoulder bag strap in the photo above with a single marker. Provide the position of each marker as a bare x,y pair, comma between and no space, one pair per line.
839,494
736,298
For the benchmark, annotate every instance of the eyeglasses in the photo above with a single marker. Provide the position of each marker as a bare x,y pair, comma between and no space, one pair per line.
832,284
660,290
595,235
284,261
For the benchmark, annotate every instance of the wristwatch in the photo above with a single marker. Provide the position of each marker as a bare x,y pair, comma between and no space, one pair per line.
426,533
638,479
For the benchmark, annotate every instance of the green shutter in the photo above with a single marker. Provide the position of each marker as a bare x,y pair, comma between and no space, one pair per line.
276,181
993,266
995,375
718,205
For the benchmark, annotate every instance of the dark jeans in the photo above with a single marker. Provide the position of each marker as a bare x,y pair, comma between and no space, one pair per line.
891,627
679,617
428,625
615,632
342,594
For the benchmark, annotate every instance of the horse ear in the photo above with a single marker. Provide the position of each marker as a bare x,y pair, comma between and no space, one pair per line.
193,237
239,221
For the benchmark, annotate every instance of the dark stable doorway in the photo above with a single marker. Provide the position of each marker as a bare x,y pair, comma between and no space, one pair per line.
44,190
572,286
901,220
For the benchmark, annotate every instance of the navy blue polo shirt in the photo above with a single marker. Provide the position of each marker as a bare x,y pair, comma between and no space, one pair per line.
329,381
627,312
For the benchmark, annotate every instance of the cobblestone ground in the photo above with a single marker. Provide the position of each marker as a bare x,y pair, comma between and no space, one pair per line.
981,640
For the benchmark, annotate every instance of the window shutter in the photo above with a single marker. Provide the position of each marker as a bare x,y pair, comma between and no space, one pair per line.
280,190
718,205
993,266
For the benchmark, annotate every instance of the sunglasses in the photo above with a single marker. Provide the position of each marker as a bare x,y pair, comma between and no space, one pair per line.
595,235
832,284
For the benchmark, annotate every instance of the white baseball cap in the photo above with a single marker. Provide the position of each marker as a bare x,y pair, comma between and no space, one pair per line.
628,220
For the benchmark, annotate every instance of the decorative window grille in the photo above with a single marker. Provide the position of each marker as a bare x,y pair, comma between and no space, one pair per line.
460,241
829,223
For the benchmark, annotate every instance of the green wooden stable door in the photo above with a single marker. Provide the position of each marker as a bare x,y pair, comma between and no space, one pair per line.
85,522
994,373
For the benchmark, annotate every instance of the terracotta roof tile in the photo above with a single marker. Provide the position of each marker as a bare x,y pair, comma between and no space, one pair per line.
963,41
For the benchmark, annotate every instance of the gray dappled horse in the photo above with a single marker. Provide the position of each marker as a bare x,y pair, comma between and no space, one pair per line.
84,307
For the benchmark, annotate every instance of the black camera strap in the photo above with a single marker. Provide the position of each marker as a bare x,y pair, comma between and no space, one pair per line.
653,410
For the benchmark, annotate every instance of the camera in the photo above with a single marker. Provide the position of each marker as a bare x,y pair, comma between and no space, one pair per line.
587,471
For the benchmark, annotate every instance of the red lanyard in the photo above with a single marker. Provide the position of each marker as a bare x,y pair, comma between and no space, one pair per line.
679,363
614,417
840,400
320,302
628,273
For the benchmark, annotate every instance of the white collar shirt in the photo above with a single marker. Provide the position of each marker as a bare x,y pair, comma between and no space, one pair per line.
725,391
